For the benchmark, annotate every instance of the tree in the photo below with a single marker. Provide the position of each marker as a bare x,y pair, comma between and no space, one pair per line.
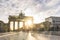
47,25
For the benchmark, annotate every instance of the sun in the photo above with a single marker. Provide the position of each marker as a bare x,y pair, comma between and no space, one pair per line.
29,23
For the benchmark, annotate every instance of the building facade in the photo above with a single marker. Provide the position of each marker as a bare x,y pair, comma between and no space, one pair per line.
54,21
3,27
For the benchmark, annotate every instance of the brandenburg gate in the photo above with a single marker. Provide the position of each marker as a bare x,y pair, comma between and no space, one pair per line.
16,23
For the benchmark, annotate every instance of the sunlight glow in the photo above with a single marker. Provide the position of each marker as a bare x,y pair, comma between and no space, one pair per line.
28,23
20,24
30,37
16,25
36,19
11,25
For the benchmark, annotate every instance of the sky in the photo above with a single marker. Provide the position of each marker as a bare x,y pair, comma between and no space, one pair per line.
39,9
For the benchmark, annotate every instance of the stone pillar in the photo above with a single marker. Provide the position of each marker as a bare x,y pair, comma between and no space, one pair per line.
18,25
24,25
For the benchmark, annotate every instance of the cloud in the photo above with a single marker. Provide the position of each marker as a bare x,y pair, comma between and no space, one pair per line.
40,8
52,3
